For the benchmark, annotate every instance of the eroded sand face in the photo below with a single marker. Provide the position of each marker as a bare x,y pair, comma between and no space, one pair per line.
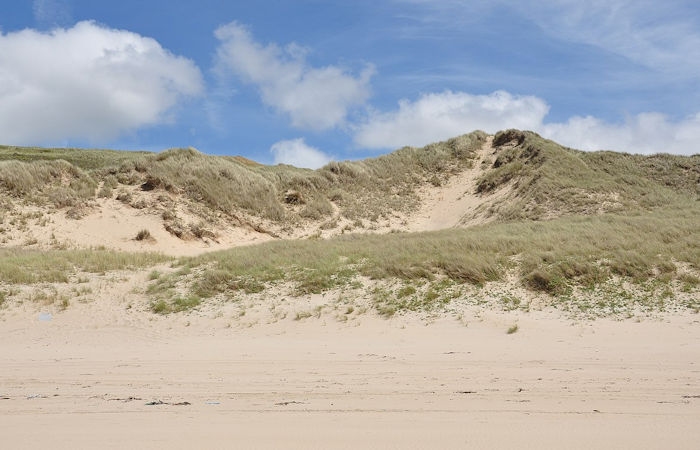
83,380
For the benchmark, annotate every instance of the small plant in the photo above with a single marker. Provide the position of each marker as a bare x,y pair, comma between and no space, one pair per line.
154,275
106,190
431,296
143,235
405,291
184,304
329,224
294,198
513,329
200,232
689,281
302,315
124,196
168,215
510,303
75,213
139,204
160,307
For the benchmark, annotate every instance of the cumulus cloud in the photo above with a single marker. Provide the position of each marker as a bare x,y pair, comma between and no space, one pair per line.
297,153
642,133
87,82
439,116
316,98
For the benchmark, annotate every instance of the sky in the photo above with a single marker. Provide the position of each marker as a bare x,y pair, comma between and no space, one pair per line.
304,82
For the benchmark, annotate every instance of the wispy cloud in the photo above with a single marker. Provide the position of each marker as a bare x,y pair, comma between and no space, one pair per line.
316,98
663,36
52,12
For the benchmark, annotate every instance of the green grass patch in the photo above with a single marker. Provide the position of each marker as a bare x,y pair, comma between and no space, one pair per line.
550,179
18,266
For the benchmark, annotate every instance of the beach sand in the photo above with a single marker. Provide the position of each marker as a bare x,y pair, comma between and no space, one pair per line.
80,382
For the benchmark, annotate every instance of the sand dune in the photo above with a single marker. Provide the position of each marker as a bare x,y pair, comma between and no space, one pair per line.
114,224
519,337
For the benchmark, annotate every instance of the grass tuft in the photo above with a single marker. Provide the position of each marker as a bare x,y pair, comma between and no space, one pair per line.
143,235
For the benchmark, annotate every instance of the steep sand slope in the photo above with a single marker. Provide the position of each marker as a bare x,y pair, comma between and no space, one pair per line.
456,203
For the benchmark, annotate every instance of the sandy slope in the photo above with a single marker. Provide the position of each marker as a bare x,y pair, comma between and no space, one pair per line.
113,224
369,383
456,203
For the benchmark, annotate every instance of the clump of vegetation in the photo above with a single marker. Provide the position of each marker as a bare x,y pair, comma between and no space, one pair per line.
550,180
200,231
513,329
317,209
109,184
161,307
55,182
21,266
143,235
434,295
4,295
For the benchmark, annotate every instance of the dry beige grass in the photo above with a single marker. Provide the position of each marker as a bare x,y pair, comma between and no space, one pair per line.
546,180
366,189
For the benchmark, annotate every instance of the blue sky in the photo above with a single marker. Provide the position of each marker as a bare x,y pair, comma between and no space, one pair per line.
304,81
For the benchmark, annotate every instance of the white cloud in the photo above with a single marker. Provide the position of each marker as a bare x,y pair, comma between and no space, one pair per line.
643,133
435,117
87,82
317,98
438,116
297,153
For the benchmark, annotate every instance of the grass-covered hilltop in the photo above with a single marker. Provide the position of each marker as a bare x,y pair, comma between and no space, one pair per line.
509,221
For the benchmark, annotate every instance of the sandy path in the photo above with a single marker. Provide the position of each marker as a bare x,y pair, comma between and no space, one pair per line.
446,206
382,384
